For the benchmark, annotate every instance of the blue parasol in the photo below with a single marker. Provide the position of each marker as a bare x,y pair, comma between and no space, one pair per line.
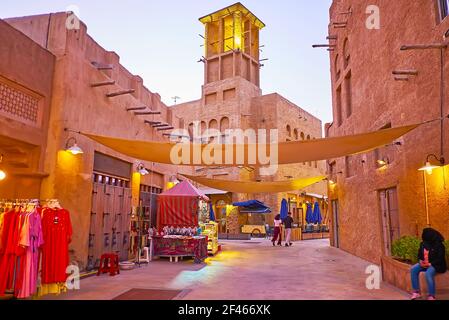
284,209
211,213
317,218
309,214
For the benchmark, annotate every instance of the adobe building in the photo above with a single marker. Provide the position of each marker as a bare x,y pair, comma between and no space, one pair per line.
380,196
54,78
232,99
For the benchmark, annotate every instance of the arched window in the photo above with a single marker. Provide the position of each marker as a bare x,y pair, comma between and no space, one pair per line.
213,124
224,126
303,136
203,127
213,128
191,130
296,134
346,53
289,131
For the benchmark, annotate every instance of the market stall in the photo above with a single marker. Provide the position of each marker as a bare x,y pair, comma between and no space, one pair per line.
255,212
175,247
178,233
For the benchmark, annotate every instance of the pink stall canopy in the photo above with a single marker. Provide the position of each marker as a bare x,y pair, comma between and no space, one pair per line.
178,207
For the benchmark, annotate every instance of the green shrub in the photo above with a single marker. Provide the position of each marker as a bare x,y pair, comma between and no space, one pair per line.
406,249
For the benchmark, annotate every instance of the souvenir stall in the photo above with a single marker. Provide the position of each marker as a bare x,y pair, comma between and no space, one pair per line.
178,232
34,247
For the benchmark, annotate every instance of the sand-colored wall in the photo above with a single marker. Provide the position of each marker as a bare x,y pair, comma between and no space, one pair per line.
377,99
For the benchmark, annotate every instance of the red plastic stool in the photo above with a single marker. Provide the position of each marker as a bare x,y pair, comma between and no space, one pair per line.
109,263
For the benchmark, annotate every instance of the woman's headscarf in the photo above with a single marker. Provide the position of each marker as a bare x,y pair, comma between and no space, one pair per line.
432,237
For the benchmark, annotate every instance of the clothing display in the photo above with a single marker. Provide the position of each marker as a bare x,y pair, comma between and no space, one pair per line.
33,246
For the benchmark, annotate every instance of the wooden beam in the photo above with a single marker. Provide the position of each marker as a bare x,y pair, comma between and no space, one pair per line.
153,122
424,46
102,66
102,84
135,108
165,129
147,113
160,125
120,93
175,135
406,72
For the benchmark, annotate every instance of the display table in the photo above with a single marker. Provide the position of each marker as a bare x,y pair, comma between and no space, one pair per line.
184,247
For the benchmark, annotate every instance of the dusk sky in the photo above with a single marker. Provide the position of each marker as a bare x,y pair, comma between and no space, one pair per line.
159,41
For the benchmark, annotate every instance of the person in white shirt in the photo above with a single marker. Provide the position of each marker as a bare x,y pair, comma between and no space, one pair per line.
277,231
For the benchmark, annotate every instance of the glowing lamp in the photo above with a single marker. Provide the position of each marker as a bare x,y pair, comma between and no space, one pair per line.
74,148
2,173
141,169
429,168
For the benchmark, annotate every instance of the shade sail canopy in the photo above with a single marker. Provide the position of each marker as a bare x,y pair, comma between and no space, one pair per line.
225,155
184,189
257,187
252,206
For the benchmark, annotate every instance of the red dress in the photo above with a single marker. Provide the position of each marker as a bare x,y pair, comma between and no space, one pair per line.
9,250
57,231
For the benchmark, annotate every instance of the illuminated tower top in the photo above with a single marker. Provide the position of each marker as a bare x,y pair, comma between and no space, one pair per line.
232,44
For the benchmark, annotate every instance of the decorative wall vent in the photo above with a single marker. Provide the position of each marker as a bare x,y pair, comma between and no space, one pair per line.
19,105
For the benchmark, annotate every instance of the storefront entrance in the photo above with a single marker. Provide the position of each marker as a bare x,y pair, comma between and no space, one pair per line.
390,217
111,212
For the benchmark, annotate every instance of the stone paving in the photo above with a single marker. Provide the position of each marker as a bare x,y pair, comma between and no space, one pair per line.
250,270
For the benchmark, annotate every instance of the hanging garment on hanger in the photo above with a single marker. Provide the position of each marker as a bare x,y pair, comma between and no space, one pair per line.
57,231
10,238
32,241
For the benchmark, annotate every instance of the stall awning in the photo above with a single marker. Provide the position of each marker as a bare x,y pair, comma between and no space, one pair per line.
287,153
178,207
185,189
257,187
252,206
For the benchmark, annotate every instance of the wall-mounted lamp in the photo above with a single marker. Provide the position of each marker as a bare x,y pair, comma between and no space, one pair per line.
73,148
2,173
429,167
174,180
141,169
383,162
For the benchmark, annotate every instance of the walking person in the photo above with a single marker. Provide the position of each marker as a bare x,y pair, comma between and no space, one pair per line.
288,230
432,260
277,236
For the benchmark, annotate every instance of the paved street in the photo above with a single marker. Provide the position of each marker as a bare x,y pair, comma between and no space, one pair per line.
250,270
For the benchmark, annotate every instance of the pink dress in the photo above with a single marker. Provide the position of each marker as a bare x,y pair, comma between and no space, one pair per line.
31,239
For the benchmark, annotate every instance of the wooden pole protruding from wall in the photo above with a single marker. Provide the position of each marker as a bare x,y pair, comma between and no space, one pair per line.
102,84
120,93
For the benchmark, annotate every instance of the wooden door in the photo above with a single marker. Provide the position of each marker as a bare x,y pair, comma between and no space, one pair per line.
390,217
335,225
